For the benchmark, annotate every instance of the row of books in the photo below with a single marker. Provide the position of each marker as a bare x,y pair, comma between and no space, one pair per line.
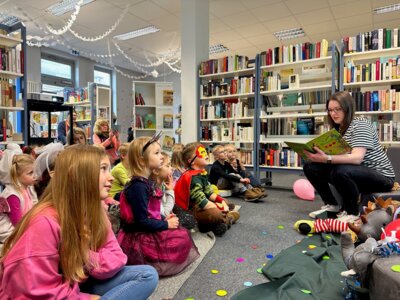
382,69
75,95
279,158
83,113
299,126
139,99
242,132
388,130
8,93
303,98
226,109
224,64
12,59
379,100
147,121
378,39
271,82
236,85
244,155
4,131
294,53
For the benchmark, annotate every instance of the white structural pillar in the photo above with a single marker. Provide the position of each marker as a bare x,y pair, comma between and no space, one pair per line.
194,49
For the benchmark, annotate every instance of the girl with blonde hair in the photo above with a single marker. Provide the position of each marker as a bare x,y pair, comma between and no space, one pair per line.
107,138
64,247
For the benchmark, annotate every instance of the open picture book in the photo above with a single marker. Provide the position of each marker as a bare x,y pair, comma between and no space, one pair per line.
331,142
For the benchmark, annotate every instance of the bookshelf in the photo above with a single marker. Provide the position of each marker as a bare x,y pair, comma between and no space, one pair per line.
153,110
90,103
12,84
371,72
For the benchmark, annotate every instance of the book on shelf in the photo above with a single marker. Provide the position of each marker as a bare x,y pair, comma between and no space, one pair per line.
228,108
8,93
103,112
139,99
277,156
305,126
167,143
12,59
168,121
303,98
224,64
385,68
331,143
224,132
228,86
294,53
246,156
377,100
149,121
5,130
378,39
168,97
75,95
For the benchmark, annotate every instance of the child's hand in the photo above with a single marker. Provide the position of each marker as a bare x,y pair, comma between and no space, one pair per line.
173,221
209,205
226,207
245,180
169,182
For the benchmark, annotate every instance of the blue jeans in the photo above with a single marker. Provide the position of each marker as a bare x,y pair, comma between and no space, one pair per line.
349,180
132,282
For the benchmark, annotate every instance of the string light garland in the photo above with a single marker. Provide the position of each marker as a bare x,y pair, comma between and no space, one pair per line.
70,21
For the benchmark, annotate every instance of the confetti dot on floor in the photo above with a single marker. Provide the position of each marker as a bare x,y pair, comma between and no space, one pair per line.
189,298
269,256
328,237
298,241
264,232
280,227
248,283
326,257
312,246
259,270
254,246
221,293
240,259
214,271
396,268
264,264
306,291
304,251
310,234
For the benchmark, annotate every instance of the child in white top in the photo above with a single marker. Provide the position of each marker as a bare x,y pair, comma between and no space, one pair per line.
163,179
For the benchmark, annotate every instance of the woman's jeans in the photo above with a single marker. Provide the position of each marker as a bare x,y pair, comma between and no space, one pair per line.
132,282
349,180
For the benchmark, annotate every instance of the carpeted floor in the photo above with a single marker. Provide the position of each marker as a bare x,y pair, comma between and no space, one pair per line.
254,237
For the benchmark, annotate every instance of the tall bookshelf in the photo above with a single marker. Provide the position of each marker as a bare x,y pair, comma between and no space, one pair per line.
371,72
153,110
12,77
228,105
90,103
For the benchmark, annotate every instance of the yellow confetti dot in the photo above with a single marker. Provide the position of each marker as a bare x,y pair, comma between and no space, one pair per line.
221,293
264,264
310,234
214,271
312,246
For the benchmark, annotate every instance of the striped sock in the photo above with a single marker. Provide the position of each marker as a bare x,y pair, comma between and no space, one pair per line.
330,225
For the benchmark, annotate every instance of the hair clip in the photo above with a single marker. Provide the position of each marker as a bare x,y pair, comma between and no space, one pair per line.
153,139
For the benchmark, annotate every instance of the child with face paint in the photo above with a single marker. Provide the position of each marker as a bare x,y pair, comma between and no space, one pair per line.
148,237
194,193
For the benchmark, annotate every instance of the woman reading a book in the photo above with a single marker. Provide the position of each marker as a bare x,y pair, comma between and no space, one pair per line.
363,170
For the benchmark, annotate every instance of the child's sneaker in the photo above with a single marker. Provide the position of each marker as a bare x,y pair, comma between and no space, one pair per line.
251,195
232,217
220,229
345,217
327,207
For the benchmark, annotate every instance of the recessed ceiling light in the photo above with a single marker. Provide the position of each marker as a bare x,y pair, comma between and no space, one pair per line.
289,34
65,6
387,9
218,48
8,20
136,33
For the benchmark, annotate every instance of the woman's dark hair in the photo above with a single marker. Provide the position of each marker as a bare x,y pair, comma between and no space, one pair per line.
348,106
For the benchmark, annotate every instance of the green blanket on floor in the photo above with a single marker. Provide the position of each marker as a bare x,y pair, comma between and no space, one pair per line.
314,274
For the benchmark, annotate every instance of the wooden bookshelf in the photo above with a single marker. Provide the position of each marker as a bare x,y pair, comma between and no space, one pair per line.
11,108
243,95
356,56
9,41
228,119
10,75
247,71
306,62
371,83
298,90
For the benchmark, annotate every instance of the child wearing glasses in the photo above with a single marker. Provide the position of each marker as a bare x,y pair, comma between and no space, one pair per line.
225,177
146,236
194,193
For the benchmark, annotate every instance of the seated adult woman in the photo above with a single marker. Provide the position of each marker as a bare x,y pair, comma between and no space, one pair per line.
365,169
107,138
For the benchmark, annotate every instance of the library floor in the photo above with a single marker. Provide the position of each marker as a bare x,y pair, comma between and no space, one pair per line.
250,241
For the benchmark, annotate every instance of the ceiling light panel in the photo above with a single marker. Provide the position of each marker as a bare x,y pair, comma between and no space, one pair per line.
289,34
65,6
8,20
137,33
387,9
218,48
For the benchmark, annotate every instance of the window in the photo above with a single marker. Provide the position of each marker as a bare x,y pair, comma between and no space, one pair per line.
57,73
102,76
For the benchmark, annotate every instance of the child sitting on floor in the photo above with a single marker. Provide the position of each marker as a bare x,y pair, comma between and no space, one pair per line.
176,162
120,172
224,177
232,159
19,196
194,193
146,236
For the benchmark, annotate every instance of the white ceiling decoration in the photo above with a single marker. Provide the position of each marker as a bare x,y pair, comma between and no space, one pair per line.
246,27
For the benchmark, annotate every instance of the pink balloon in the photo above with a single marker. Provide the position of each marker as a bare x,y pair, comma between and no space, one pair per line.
304,189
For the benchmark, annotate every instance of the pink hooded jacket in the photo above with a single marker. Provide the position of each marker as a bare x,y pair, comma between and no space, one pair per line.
31,269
